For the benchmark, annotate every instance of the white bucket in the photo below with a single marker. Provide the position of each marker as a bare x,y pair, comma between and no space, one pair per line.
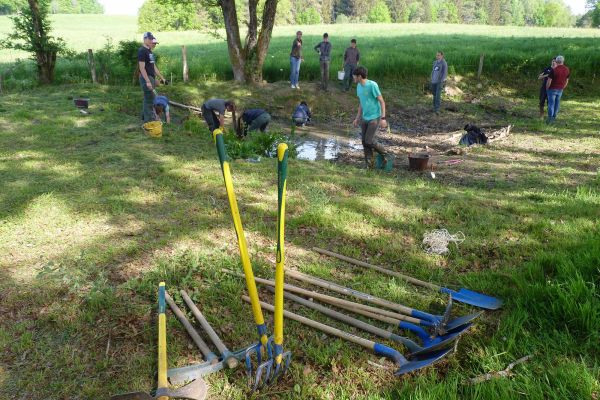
341,75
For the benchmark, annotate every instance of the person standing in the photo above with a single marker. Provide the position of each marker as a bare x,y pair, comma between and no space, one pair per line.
324,50
211,107
558,79
295,60
370,115
148,73
351,59
439,73
543,92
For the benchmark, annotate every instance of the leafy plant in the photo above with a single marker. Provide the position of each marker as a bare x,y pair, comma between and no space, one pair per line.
261,144
31,33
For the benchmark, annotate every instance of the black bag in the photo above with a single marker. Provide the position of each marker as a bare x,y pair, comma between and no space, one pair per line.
473,136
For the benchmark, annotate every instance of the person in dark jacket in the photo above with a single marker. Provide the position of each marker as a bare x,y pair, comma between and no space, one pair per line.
351,59
212,107
439,73
543,93
253,119
148,73
324,50
302,114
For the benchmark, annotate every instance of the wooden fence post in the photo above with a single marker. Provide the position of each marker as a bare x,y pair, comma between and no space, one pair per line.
481,57
92,65
186,71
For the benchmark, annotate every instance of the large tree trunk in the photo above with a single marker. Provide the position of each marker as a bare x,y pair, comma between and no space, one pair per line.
46,59
247,61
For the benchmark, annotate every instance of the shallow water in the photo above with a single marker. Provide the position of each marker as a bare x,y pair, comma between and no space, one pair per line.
317,144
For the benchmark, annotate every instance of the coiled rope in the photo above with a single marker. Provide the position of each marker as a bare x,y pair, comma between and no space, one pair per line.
436,241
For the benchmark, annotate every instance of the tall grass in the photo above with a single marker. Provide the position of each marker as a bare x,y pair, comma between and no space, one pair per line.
394,52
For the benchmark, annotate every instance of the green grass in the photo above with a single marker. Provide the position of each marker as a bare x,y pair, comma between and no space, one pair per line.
395,52
93,215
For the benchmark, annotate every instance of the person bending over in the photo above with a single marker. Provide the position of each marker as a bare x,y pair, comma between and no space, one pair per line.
302,114
213,111
253,119
161,106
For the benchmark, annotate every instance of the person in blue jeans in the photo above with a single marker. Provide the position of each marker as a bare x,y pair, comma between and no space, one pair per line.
295,60
148,73
558,79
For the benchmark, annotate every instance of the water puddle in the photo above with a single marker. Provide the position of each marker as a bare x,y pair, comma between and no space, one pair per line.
317,144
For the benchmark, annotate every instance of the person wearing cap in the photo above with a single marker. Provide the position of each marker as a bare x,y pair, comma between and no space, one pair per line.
324,50
295,60
148,73
558,79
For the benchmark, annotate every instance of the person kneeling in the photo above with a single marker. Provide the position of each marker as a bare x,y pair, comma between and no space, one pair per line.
253,119
302,114
161,105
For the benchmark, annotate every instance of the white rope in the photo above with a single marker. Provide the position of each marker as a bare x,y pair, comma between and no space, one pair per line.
436,241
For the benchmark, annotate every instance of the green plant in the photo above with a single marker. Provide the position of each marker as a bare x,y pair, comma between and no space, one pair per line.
308,16
261,144
31,33
379,13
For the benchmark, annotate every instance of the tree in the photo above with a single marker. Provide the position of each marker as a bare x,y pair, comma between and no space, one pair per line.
379,13
308,16
173,17
31,33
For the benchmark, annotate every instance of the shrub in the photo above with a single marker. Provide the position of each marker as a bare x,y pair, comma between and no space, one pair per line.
379,13
310,16
342,19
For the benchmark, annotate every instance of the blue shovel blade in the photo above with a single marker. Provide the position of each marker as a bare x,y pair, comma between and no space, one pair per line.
473,298
438,343
422,361
458,323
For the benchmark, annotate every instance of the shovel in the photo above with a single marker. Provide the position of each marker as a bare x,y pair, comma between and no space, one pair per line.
404,366
462,295
196,390
414,348
445,324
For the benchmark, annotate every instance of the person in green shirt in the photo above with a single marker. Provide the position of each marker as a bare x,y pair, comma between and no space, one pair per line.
370,115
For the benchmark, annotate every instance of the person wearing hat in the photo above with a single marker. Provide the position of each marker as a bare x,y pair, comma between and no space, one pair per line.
295,60
148,73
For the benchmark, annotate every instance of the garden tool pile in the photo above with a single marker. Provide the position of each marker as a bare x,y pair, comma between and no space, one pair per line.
432,338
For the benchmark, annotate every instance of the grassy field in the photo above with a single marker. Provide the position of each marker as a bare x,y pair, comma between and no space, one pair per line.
93,215
396,52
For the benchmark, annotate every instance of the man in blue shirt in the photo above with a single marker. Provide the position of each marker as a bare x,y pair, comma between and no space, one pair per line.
370,115
543,93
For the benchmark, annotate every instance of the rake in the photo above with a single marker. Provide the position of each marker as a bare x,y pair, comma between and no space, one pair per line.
264,373
404,366
462,295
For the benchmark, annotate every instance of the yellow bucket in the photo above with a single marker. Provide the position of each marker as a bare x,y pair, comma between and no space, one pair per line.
153,128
